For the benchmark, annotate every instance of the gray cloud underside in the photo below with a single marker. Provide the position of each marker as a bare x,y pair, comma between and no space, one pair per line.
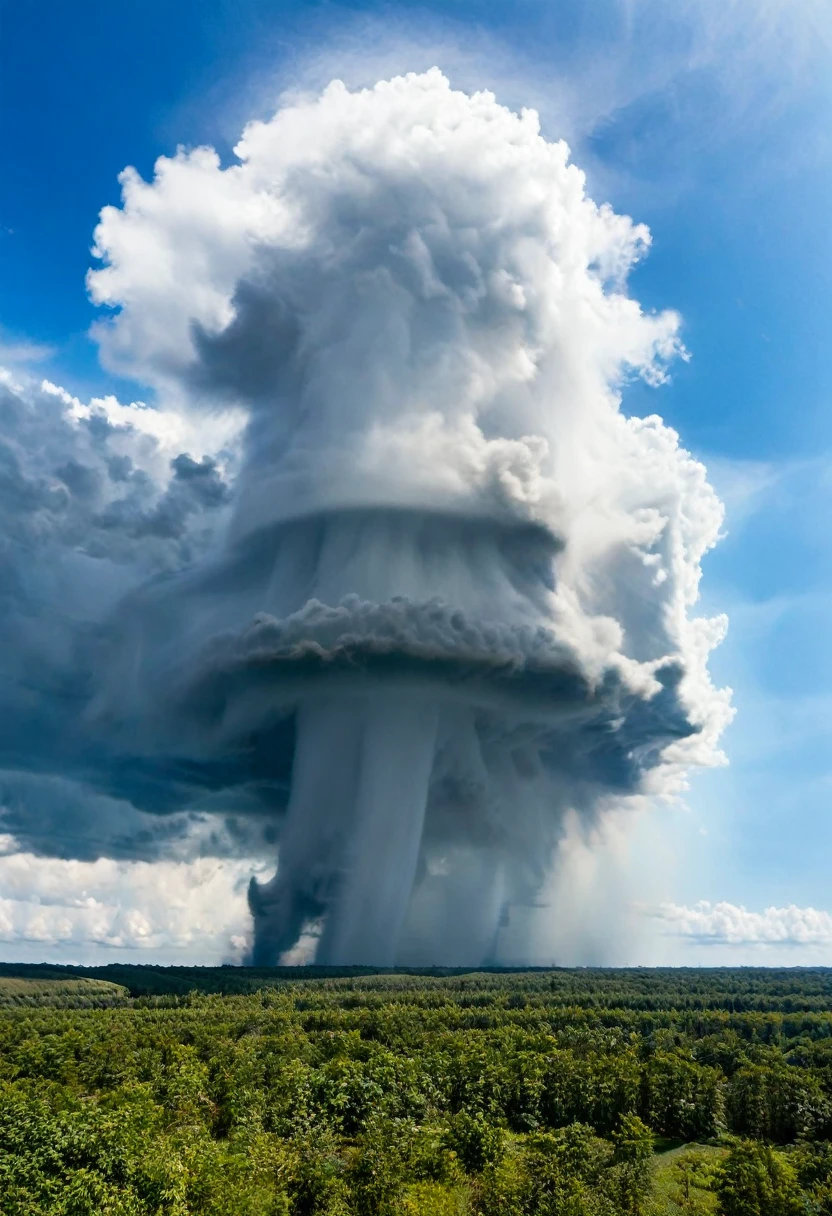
522,675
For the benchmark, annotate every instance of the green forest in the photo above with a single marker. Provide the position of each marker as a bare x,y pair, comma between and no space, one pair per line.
240,1092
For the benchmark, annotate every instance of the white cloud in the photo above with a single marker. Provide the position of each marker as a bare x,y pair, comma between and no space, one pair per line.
174,430
732,924
197,908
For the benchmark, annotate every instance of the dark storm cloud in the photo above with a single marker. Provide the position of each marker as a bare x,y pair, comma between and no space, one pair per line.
80,523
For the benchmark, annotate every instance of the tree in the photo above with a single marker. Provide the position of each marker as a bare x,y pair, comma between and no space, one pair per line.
476,1142
754,1180
632,1156
691,1191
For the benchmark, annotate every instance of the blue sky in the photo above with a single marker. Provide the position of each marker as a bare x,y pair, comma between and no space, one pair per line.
712,124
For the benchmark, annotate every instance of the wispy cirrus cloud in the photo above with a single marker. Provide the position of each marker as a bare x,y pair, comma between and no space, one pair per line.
16,351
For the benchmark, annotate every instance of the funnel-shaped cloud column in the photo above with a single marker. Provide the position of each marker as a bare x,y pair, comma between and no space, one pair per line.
453,600
354,826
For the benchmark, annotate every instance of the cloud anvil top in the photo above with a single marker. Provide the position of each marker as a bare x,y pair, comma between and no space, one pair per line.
420,592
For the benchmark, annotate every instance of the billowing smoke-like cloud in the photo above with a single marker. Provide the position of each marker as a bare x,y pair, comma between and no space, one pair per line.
732,924
446,601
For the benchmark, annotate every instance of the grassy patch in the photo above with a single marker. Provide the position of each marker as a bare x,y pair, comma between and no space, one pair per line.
681,1175
661,1145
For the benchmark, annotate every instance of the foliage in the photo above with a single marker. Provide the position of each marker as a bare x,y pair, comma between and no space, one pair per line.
64,993
293,1093
754,1180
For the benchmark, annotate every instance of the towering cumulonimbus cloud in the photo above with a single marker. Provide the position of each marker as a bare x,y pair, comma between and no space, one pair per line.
452,602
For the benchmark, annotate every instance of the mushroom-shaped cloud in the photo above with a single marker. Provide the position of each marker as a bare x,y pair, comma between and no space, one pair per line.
453,601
